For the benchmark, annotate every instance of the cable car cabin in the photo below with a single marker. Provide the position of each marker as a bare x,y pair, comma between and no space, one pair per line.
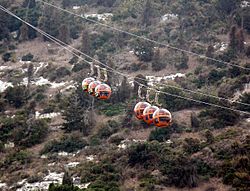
162,118
86,82
139,108
103,91
92,86
148,114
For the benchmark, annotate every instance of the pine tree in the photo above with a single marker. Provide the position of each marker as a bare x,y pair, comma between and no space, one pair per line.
240,40
24,32
209,136
86,45
30,73
67,180
157,65
64,33
77,114
232,39
29,3
73,115
4,31
195,123
141,80
210,54
123,90
147,13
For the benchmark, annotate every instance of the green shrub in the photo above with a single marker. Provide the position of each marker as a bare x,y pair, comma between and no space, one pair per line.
78,67
112,109
7,56
22,157
67,144
94,141
28,57
110,128
102,175
143,50
16,96
55,187
191,145
163,134
73,60
34,132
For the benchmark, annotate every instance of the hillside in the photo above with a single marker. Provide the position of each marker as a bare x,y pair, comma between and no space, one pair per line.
54,136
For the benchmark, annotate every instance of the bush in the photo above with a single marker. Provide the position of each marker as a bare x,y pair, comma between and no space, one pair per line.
78,67
67,144
102,175
55,187
73,60
143,50
146,155
172,102
32,133
28,57
7,56
216,75
164,134
110,128
191,145
16,96
112,109
22,157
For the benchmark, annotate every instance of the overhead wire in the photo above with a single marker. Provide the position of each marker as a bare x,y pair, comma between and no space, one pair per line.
166,85
143,37
57,41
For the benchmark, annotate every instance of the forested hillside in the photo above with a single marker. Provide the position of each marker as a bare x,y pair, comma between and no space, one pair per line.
195,54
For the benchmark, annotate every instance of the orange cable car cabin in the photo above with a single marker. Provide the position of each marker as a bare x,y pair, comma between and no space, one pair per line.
103,91
139,108
86,82
148,114
92,86
162,118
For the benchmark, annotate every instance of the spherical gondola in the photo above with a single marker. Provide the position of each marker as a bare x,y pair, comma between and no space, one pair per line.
103,91
162,118
86,82
139,108
148,114
92,86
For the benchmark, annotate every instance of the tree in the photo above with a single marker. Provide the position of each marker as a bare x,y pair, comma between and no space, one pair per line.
124,90
77,113
209,136
157,64
4,31
140,79
29,3
30,73
31,133
144,50
195,122
210,54
245,98
147,12
86,44
67,180
64,33
240,40
227,6
74,115
16,96
65,3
